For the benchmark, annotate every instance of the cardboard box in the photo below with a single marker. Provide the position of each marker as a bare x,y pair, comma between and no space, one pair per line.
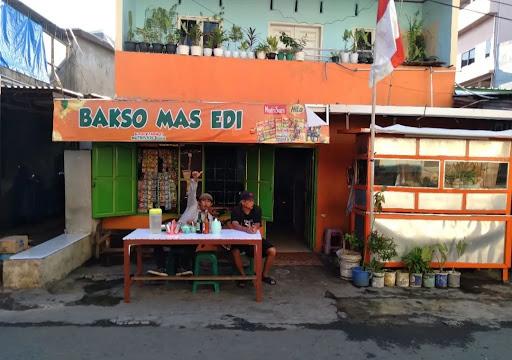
13,244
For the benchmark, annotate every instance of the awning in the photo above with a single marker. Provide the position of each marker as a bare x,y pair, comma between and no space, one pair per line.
173,121
441,132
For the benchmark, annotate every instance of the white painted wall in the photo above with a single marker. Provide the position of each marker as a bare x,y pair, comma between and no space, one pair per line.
475,12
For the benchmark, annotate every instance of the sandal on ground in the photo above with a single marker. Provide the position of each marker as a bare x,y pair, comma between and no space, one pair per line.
268,280
241,284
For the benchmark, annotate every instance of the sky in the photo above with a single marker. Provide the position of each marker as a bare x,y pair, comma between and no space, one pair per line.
89,15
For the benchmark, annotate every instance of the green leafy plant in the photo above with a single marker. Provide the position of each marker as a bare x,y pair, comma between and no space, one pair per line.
460,247
130,35
244,46
416,50
427,252
415,262
292,45
360,40
374,266
441,254
251,37
262,47
347,38
148,33
273,43
161,22
235,34
218,37
174,36
194,34
354,242
378,200
381,246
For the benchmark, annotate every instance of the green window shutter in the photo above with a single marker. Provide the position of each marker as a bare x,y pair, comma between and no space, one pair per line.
252,170
113,180
260,178
266,188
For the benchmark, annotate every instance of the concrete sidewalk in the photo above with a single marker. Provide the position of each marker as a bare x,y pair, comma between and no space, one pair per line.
305,297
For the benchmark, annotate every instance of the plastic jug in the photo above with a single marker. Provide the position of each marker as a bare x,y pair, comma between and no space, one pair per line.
216,226
155,221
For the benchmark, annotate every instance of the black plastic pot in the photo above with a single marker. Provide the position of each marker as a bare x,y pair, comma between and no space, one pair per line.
144,47
335,59
271,56
171,48
158,48
130,46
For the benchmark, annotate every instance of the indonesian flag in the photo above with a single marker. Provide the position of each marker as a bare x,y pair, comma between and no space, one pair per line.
389,52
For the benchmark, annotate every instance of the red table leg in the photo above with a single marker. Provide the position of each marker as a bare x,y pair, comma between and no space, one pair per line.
139,262
126,265
258,269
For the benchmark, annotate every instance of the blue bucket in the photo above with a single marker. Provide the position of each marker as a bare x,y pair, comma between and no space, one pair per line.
360,277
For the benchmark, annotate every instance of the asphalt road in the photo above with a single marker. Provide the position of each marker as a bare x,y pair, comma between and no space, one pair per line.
148,342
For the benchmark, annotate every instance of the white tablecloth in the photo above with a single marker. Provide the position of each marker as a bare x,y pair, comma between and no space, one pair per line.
145,234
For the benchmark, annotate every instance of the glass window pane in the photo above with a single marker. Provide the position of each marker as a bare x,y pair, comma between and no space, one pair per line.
487,48
475,175
407,173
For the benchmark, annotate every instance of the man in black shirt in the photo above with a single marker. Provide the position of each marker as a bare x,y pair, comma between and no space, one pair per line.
247,217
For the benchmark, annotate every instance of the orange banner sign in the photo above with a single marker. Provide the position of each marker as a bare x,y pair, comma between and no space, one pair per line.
169,121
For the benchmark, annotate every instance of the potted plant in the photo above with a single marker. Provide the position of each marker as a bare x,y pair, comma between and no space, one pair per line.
162,21
129,44
173,37
416,265
208,45
454,276
345,55
429,276
235,36
261,51
218,37
273,43
335,57
281,54
148,35
292,47
377,273
416,50
251,38
195,34
441,254
298,49
360,38
244,46
349,257
383,249
183,48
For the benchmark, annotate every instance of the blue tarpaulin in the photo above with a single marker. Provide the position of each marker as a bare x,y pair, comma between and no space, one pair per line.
21,44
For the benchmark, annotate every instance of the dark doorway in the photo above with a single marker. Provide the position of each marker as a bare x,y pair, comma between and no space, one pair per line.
292,199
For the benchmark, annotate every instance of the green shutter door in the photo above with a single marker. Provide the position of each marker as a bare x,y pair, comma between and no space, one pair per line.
102,180
252,170
113,180
266,188
125,180
260,178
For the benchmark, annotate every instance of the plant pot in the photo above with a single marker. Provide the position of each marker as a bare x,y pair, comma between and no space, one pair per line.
171,48
347,260
454,279
299,56
390,278
281,56
130,46
335,59
271,56
183,50
415,280
402,279
157,48
441,280
261,55
236,54
354,58
144,47
218,52
429,280
290,56
378,279
196,50
360,277
227,53
250,55
243,54
207,52
345,57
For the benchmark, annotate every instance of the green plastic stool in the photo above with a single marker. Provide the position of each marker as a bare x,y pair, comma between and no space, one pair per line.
212,259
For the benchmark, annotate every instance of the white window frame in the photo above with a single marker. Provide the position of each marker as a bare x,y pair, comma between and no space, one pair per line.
368,30
199,19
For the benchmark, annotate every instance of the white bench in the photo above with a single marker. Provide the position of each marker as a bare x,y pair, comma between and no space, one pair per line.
47,262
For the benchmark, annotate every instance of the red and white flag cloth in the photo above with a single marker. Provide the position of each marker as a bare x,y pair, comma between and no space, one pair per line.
389,51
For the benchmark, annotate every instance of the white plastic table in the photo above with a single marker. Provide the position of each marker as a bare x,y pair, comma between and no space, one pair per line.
143,237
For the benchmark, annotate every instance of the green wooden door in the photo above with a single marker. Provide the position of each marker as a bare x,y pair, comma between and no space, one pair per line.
260,178
113,180
310,201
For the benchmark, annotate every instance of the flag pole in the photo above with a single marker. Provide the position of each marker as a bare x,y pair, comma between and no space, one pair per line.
371,151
